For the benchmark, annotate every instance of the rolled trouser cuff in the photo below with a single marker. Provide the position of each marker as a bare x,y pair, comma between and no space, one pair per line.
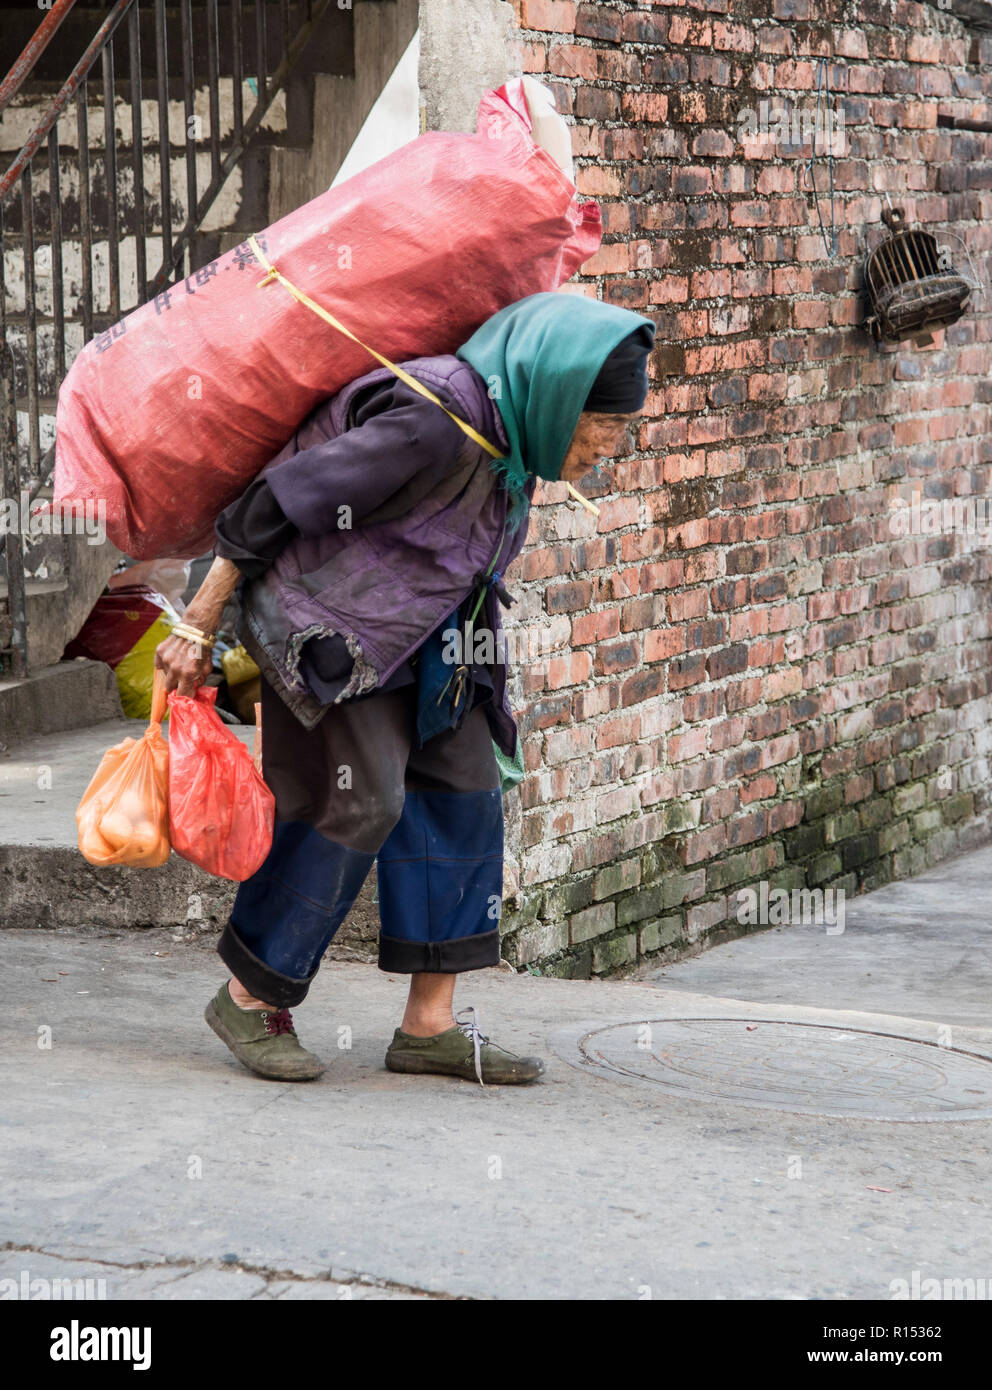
475,952
258,978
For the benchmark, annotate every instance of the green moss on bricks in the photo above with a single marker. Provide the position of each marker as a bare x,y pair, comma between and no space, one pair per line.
912,860
926,822
681,816
940,845
804,841
636,906
536,943
646,906
567,897
877,876
893,837
577,965
651,865
594,921
725,872
861,850
823,800
614,954
841,826
908,799
618,878
958,807
526,908
679,888
876,813
792,876
823,868
656,935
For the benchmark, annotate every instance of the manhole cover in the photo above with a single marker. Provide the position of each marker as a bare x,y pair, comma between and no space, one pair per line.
810,1069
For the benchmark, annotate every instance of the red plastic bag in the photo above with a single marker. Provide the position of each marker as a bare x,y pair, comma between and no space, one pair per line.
221,813
123,817
169,414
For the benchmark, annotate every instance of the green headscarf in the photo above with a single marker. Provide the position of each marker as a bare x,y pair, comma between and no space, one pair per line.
539,358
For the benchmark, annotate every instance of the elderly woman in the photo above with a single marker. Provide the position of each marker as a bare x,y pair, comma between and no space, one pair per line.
378,536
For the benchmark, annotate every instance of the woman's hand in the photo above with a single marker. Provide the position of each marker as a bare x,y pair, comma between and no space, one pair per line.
187,664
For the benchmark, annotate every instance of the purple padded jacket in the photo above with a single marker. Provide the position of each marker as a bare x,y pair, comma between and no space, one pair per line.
385,583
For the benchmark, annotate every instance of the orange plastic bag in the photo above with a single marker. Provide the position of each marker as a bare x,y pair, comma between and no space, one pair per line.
123,817
221,813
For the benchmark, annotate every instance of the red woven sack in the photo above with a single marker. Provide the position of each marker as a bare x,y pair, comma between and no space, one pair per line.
169,414
221,813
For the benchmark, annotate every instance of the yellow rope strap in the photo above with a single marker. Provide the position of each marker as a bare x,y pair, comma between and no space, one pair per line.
273,274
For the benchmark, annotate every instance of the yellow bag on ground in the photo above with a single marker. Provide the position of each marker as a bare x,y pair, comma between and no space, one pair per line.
135,672
238,666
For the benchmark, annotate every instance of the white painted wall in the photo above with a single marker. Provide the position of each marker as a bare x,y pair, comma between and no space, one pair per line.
393,121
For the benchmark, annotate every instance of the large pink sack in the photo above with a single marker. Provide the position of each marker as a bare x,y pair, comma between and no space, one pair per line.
170,414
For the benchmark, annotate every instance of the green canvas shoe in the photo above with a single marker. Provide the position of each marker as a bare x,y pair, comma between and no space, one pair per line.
461,1051
264,1040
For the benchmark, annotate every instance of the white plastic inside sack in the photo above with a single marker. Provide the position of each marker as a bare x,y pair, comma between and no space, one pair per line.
547,127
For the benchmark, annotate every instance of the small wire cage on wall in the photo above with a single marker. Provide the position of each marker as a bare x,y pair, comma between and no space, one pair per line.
912,287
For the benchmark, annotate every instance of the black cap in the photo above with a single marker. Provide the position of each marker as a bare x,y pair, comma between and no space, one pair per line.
621,387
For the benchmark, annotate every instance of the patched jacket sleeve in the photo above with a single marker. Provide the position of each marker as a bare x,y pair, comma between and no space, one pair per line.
397,434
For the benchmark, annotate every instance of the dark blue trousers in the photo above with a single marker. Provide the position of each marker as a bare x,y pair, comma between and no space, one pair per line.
352,791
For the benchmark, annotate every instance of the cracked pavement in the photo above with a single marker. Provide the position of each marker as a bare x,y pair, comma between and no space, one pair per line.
185,1279
136,1150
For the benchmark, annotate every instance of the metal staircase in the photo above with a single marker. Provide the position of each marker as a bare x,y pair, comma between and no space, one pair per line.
158,148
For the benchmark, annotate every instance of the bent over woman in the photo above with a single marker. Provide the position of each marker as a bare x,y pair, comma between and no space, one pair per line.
369,556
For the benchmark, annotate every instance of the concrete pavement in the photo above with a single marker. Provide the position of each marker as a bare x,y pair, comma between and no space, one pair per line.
44,880
137,1151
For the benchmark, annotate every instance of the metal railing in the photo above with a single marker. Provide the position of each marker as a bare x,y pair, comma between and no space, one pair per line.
29,385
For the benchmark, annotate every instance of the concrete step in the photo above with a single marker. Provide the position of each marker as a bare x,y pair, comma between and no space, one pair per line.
76,569
46,882
63,696
46,600
31,104
151,204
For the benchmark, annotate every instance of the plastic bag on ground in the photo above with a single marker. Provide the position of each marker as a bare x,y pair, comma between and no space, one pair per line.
238,666
165,417
123,629
123,817
221,812
244,682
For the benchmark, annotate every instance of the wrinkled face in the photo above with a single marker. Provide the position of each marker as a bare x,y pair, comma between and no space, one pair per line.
596,437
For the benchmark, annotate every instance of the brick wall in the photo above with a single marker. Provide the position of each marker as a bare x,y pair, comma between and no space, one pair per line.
759,669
